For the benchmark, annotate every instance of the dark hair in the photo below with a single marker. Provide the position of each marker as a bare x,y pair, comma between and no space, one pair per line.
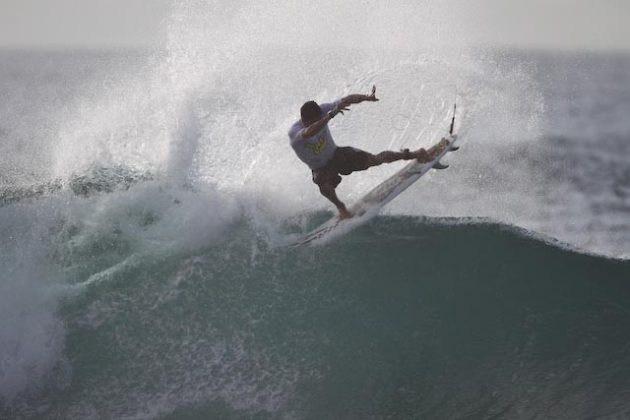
310,110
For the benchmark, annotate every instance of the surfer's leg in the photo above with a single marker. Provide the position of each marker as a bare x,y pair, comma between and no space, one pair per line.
329,192
389,156
327,180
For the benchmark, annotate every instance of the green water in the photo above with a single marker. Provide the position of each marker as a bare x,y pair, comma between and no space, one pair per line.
403,318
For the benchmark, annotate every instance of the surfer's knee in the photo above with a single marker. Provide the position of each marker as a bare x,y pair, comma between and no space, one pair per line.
326,189
374,160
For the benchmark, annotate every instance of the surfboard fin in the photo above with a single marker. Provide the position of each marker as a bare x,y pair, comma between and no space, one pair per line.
440,165
454,148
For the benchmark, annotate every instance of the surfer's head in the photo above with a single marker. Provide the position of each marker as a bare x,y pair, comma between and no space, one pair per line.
310,112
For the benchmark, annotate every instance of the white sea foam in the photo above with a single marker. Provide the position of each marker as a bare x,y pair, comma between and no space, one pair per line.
31,333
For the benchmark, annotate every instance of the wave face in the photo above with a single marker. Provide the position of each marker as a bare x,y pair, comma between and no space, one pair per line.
402,318
145,198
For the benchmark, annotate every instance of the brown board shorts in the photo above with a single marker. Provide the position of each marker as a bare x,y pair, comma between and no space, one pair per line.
345,161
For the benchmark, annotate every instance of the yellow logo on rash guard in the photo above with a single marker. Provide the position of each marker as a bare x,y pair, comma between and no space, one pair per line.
317,147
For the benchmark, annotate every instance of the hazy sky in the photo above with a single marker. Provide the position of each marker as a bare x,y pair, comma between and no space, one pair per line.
82,23
572,24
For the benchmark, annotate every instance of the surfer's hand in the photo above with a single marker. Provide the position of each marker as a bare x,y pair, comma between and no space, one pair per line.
339,109
372,96
357,98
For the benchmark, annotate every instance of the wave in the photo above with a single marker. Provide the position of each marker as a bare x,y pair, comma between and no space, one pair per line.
403,317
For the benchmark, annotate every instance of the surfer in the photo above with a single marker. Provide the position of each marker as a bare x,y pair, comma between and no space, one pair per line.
312,142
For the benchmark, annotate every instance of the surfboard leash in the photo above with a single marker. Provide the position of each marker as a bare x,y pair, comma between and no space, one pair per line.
453,119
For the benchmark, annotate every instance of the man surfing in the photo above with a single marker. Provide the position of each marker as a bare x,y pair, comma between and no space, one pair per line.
312,142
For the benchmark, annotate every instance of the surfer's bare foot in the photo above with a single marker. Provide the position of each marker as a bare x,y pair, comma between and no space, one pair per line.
344,214
438,148
422,155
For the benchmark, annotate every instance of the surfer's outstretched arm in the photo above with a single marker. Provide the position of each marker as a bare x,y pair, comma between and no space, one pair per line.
358,98
317,125
328,191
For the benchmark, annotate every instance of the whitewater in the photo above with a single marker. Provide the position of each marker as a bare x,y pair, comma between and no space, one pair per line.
146,198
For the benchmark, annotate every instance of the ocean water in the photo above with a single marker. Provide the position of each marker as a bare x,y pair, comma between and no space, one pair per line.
147,197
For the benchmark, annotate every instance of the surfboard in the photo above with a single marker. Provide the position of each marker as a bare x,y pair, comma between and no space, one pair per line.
371,203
